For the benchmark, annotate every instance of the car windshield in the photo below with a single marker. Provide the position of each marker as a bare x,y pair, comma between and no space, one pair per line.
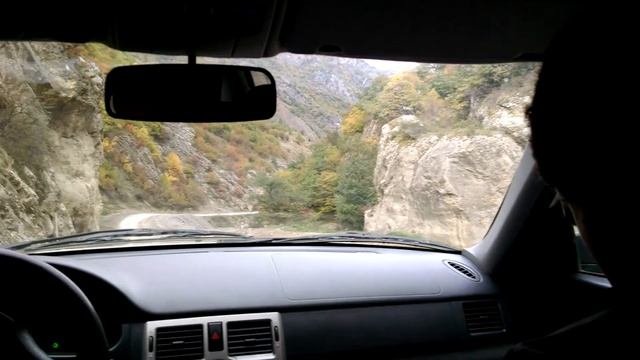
424,151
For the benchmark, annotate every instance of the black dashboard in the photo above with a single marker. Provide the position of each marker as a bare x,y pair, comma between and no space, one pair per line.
321,301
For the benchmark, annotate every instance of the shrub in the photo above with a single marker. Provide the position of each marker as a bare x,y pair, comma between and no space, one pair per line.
277,194
107,177
213,179
175,168
353,123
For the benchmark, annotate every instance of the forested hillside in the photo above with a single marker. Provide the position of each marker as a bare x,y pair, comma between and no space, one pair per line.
184,166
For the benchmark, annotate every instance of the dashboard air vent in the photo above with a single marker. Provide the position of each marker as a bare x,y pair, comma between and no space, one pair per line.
463,270
483,317
180,342
249,337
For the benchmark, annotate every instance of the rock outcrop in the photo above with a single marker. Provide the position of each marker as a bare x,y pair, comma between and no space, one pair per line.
444,188
50,149
504,111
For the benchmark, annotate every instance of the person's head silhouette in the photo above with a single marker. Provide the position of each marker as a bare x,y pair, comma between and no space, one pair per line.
580,119
583,141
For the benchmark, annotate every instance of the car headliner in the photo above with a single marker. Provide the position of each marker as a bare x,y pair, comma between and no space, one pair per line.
451,31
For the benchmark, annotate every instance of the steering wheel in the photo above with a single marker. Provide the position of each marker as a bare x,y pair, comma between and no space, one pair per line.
37,296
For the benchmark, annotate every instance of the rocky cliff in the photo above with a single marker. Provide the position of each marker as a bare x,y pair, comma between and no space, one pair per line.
50,149
314,92
447,186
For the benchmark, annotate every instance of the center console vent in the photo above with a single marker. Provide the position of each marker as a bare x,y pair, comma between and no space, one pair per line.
483,317
180,342
257,336
249,337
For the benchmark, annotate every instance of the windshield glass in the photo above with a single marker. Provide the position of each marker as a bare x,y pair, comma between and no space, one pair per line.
424,151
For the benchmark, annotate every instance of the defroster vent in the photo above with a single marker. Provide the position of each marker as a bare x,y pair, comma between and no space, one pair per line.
249,337
180,342
463,270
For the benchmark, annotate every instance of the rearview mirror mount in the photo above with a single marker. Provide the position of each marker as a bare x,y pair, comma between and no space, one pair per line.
190,93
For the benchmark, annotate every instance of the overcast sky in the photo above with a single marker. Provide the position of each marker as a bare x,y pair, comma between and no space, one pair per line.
392,66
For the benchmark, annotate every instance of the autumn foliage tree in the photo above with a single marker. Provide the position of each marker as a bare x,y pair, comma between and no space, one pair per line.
398,97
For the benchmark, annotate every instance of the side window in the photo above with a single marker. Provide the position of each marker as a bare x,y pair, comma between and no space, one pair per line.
586,262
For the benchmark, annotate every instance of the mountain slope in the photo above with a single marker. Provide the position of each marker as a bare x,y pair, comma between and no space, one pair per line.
189,166
314,92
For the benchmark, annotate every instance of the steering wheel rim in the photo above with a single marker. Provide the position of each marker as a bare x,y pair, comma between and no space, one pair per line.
24,281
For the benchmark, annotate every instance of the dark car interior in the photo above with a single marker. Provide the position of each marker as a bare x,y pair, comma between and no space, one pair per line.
309,302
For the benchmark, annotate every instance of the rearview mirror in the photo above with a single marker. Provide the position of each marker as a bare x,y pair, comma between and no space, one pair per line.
190,93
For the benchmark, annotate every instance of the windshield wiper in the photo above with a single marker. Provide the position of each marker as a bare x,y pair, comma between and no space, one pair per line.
356,237
123,235
134,235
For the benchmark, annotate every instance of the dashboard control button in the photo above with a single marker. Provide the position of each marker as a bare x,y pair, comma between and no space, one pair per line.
215,336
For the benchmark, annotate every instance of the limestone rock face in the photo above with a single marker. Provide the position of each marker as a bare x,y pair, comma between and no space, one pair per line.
50,142
445,188
505,113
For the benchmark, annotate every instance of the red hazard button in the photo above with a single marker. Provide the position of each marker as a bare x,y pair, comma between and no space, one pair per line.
216,342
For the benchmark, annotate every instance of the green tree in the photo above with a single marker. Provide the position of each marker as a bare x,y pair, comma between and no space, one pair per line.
327,183
312,178
424,71
369,98
277,194
355,190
